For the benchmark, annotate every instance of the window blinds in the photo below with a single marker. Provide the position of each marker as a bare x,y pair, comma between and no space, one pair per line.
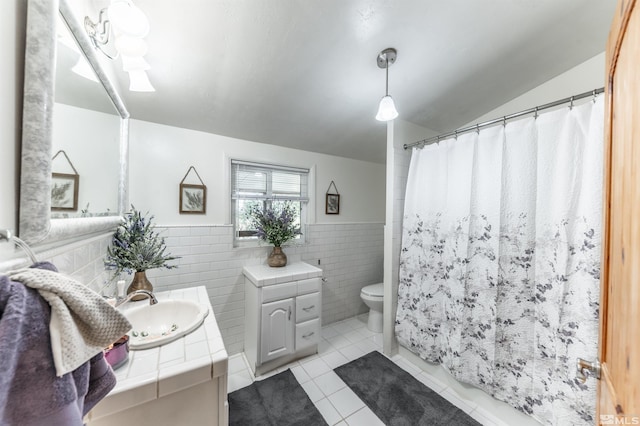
268,182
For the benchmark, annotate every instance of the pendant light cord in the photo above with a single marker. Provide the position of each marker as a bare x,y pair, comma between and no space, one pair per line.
386,61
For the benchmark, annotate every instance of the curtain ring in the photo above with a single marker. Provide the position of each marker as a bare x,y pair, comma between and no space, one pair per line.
571,105
504,121
455,134
535,114
594,96
478,128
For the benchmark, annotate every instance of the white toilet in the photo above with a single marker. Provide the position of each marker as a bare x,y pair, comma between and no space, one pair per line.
371,295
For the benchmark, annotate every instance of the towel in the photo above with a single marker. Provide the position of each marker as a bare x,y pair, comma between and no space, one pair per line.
82,322
30,392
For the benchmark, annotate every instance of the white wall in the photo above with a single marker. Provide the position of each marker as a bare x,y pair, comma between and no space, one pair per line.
349,246
399,132
91,139
582,78
160,156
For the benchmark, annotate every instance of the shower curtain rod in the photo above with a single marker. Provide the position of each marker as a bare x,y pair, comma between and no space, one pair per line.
478,126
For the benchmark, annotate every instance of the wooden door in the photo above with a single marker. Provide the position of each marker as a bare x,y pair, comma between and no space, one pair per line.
619,348
277,330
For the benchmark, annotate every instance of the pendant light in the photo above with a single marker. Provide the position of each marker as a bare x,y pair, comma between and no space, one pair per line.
387,109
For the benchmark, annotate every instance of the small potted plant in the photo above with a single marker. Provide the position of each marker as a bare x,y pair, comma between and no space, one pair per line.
276,225
136,247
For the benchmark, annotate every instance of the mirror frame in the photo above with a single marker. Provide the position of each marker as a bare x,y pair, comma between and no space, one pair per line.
35,225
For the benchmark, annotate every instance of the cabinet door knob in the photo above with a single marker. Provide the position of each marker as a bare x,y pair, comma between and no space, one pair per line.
308,308
289,318
306,336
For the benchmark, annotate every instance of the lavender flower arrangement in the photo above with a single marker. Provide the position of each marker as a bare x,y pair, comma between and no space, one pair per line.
136,246
275,225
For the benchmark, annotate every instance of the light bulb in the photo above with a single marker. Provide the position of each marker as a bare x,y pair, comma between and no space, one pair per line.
128,19
387,109
134,63
131,46
139,82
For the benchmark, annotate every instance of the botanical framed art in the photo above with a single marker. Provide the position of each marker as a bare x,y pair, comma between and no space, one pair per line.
332,201
64,191
193,198
332,204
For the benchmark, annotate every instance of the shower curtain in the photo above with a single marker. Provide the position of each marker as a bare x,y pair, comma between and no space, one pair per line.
500,260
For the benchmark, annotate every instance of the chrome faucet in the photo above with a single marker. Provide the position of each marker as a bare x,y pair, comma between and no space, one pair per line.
148,294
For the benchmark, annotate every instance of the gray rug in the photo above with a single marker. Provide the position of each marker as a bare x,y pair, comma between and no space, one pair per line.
276,401
396,397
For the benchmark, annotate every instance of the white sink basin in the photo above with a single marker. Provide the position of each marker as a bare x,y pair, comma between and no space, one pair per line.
164,322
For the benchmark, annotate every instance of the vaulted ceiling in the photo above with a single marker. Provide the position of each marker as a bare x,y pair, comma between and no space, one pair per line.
303,74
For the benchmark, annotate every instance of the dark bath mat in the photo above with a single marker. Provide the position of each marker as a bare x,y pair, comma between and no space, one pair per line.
276,401
396,397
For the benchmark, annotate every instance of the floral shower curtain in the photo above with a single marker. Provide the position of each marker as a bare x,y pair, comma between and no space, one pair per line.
500,261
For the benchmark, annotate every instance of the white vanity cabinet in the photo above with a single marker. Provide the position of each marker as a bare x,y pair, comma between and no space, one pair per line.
283,309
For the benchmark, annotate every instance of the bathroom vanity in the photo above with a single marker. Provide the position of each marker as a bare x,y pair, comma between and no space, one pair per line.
283,308
180,383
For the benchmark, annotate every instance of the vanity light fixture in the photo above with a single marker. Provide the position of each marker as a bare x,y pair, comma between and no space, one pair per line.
387,109
128,25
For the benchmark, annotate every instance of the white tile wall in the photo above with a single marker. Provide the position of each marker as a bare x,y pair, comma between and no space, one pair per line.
82,260
350,255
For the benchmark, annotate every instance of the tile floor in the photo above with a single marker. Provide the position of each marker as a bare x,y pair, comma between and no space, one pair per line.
342,342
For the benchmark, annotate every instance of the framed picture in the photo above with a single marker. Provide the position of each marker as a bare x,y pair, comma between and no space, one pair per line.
64,191
193,198
333,204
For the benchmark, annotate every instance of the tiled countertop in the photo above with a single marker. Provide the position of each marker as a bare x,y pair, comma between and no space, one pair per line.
185,362
262,275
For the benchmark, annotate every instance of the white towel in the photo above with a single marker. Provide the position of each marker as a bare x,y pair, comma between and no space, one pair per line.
82,322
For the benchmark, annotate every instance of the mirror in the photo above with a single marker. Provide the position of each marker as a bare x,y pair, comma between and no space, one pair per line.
85,137
85,119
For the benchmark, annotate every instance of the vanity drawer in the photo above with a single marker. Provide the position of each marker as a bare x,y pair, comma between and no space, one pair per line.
308,286
307,307
307,333
278,291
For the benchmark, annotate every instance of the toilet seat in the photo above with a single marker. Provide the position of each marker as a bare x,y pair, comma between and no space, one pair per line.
373,290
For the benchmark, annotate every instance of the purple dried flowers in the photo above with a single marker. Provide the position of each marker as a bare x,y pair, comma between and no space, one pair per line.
136,246
275,225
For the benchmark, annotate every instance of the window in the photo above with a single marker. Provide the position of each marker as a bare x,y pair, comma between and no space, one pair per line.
266,186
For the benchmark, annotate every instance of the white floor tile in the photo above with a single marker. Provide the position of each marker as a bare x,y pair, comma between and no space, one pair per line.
346,402
407,366
364,417
354,336
328,411
324,347
329,383
366,345
335,359
329,331
315,367
354,323
339,341
342,327
238,381
342,407
236,363
301,374
352,352
312,390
